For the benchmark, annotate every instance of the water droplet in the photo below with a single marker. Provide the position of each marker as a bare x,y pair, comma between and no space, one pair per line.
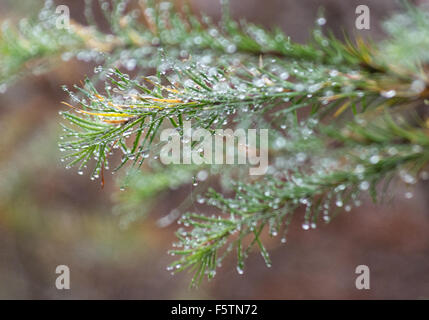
388,94
3,88
424,175
409,195
321,21
284,75
231,48
305,226
417,86
194,181
202,175
98,69
333,73
258,82
374,159
364,185
301,157
66,56
200,199
359,169
131,64
417,149
406,177
240,270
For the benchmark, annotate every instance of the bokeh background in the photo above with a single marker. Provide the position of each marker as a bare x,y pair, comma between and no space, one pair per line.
51,216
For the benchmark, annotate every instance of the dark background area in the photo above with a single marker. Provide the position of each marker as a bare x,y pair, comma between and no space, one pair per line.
51,216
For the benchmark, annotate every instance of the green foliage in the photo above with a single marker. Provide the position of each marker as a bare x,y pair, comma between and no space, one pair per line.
345,117
26,47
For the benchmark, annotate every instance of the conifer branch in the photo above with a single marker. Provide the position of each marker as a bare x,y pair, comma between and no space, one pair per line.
346,117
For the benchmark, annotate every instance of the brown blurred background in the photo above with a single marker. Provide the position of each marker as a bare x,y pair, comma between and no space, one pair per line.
51,216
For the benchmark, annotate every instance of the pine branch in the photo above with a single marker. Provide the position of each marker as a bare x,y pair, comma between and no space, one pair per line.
324,168
370,156
137,35
345,117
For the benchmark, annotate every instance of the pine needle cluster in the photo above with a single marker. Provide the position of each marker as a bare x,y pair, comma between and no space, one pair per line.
346,116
